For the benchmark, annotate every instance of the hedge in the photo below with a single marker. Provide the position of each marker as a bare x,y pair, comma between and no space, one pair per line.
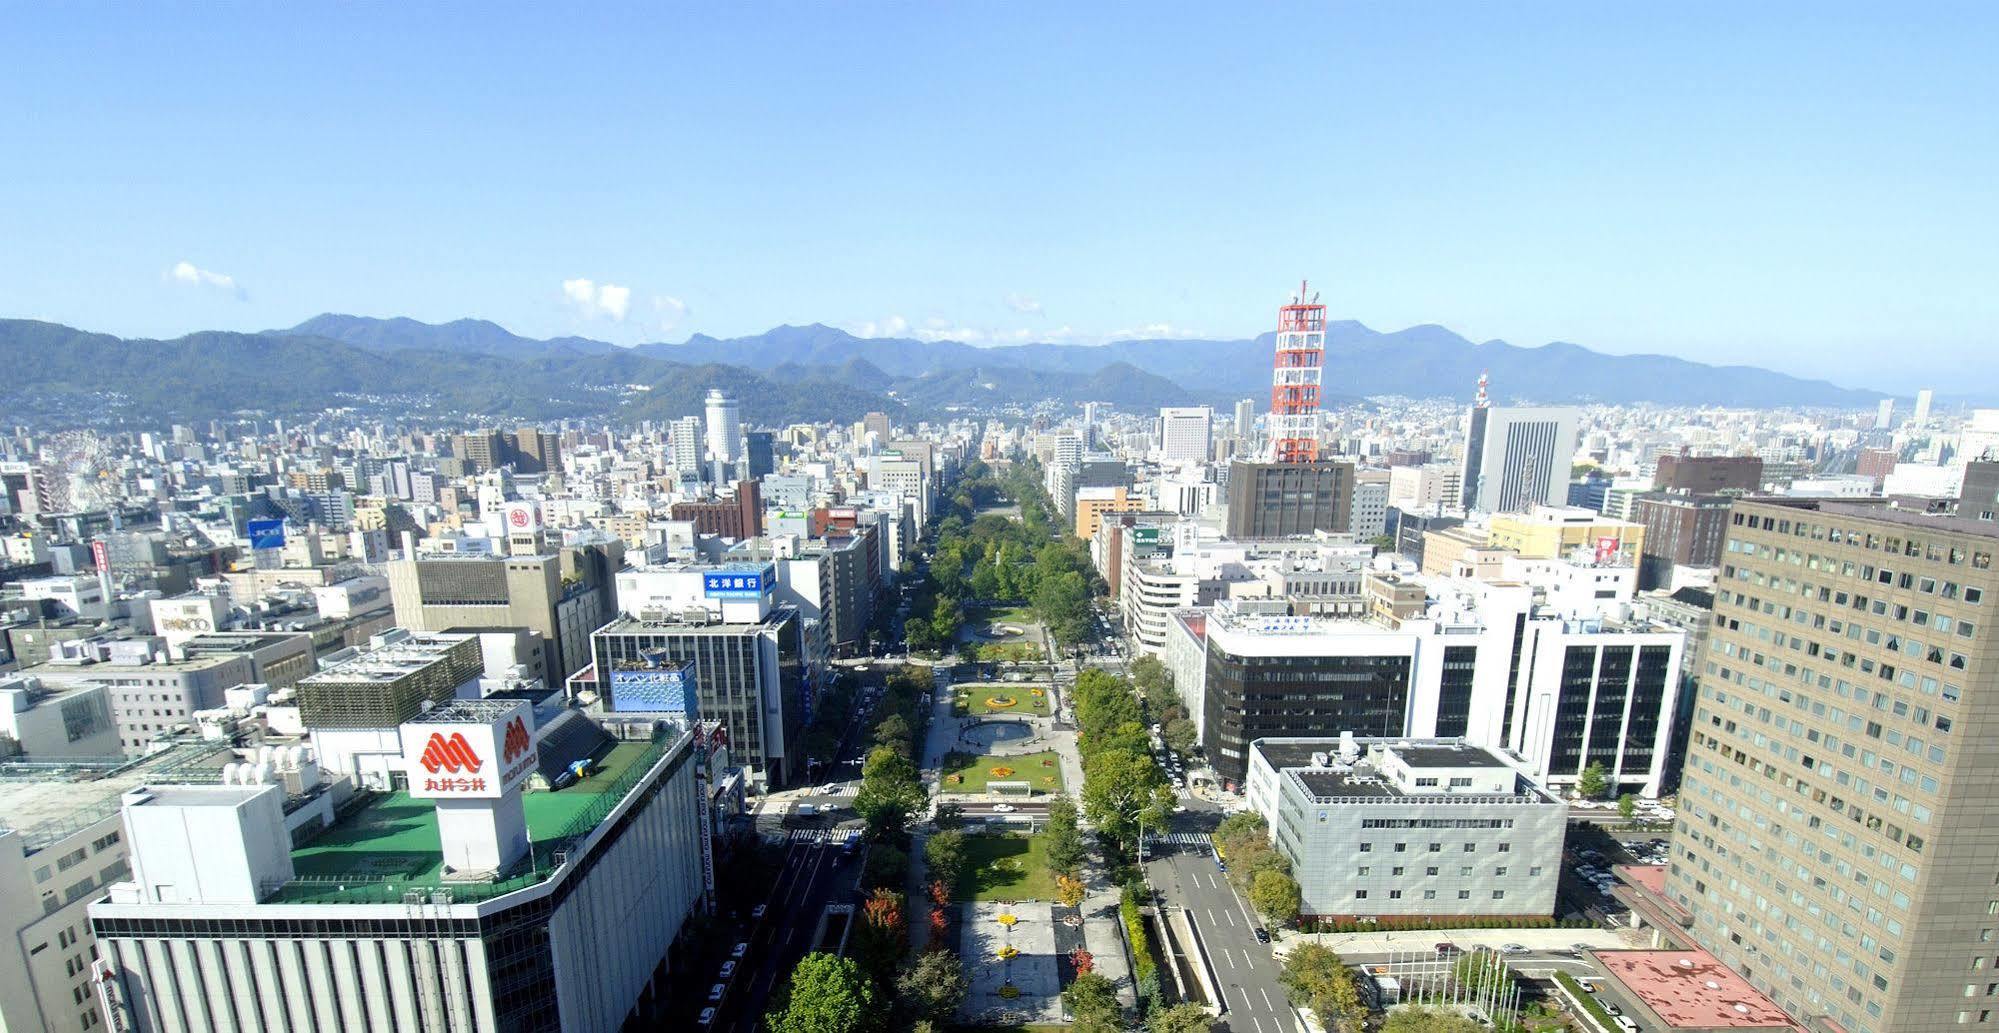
1145,971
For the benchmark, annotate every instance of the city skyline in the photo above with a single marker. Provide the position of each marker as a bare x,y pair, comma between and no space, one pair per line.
1717,186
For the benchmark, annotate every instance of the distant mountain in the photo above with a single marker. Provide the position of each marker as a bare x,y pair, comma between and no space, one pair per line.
62,376
475,336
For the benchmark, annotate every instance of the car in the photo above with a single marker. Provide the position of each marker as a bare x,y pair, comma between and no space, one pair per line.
1580,947
739,950
1222,865
1512,948
1262,935
1612,1008
715,992
728,969
1003,808
1449,949
707,1017
829,789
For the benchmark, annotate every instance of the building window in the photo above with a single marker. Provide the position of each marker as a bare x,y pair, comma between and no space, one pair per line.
1366,848
1360,894
1464,894
1499,894
1471,848
1430,870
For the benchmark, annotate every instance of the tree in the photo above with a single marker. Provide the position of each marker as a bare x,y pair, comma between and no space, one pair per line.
1181,1018
934,986
1276,897
1594,782
1122,790
1092,1000
887,866
890,792
1428,1020
1151,678
1627,806
827,994
1180,734
883,934
949,816
894,733
944,852
1315,977
945,620
1062,840
1069,891
1083,960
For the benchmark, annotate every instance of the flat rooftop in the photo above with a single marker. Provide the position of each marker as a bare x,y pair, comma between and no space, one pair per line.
1446,755
393,838
47,802
1692,990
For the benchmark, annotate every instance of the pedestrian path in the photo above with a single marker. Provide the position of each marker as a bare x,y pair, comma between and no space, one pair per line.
819,835
1179,839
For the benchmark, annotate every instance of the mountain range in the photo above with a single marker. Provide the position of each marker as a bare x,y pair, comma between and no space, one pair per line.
61,376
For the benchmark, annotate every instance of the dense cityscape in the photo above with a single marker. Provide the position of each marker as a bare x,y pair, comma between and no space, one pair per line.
806,517
1266,717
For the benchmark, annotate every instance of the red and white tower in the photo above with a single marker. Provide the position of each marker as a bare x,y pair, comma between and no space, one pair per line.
1294,380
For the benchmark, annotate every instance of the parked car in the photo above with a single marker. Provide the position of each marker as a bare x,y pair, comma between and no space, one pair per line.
757,913
739,950
728,969
1512,948
1449,949
1262,935
707,1017
715,992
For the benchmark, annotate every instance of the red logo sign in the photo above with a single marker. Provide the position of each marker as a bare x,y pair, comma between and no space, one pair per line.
519,517
515,743
453,754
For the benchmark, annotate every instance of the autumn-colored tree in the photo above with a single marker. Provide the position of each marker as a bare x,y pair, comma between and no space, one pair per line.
1069,891
1083,960
882,937
883,910
940,894
940,923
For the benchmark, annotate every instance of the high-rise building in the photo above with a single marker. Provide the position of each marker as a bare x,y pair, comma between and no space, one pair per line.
725,435
1184,433
1517,456
1370,504
1245,419
876,423
684,444
1884,414
1708,475
1267,500
1680,531
1836,825
1921,416
760,454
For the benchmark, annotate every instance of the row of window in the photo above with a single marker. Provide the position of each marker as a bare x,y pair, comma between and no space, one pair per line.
1429,894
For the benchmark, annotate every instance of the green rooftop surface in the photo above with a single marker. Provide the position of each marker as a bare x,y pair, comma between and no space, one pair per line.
392,841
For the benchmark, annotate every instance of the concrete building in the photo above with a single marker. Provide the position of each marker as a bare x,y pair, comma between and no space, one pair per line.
1835,834
1708,475
1567,532
237,916
1680,531
277,658
1402,827
1185,433
68,722
1271,500
724,437
356,704
1370,504
62,845
561,596
1516,457
1094,504
150,695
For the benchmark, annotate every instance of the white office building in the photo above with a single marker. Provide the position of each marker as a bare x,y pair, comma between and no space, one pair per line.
1394,826
1185,432
1518,456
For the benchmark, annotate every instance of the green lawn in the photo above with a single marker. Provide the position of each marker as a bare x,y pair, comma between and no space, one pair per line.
975,772
1020,615
1006,868
978,699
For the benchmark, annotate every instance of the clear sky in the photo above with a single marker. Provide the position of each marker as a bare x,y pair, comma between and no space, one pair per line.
1809,187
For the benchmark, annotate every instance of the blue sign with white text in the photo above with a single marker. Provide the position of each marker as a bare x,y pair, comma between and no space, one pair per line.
654,690
735,584
266,534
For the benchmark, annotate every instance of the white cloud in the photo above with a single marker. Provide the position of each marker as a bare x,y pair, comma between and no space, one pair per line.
1152,331
671,311
189,273
1023,304
595,299
893,326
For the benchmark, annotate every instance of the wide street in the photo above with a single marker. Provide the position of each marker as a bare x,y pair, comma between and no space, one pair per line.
1185,875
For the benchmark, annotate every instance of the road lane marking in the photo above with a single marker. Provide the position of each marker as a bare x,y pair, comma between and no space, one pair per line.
1231,915
1231,961
1266,998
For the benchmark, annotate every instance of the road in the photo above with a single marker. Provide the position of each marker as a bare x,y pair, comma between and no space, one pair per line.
812,873
1186,876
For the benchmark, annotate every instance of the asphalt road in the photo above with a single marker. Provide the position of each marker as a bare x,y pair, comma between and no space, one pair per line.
1186,877
812,877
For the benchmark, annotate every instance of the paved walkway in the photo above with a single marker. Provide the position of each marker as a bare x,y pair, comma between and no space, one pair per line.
1036,994
1368,944
1104,940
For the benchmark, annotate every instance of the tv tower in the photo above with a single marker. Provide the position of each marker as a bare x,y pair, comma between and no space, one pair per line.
1294,379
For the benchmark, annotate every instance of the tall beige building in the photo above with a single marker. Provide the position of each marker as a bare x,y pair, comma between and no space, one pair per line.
1838,836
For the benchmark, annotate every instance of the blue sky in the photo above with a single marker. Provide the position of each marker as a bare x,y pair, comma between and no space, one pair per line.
1809,187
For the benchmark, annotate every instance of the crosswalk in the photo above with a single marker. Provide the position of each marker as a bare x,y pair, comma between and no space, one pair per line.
834,836
1180,839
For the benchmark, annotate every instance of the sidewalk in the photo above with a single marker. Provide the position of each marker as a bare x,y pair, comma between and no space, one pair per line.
1105,941
1406,940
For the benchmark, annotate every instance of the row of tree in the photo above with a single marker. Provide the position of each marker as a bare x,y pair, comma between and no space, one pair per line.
1155,685
1123,789
1258,870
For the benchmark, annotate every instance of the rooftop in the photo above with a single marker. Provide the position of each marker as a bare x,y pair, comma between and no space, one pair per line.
390,845
1692,990
390,662
48,801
